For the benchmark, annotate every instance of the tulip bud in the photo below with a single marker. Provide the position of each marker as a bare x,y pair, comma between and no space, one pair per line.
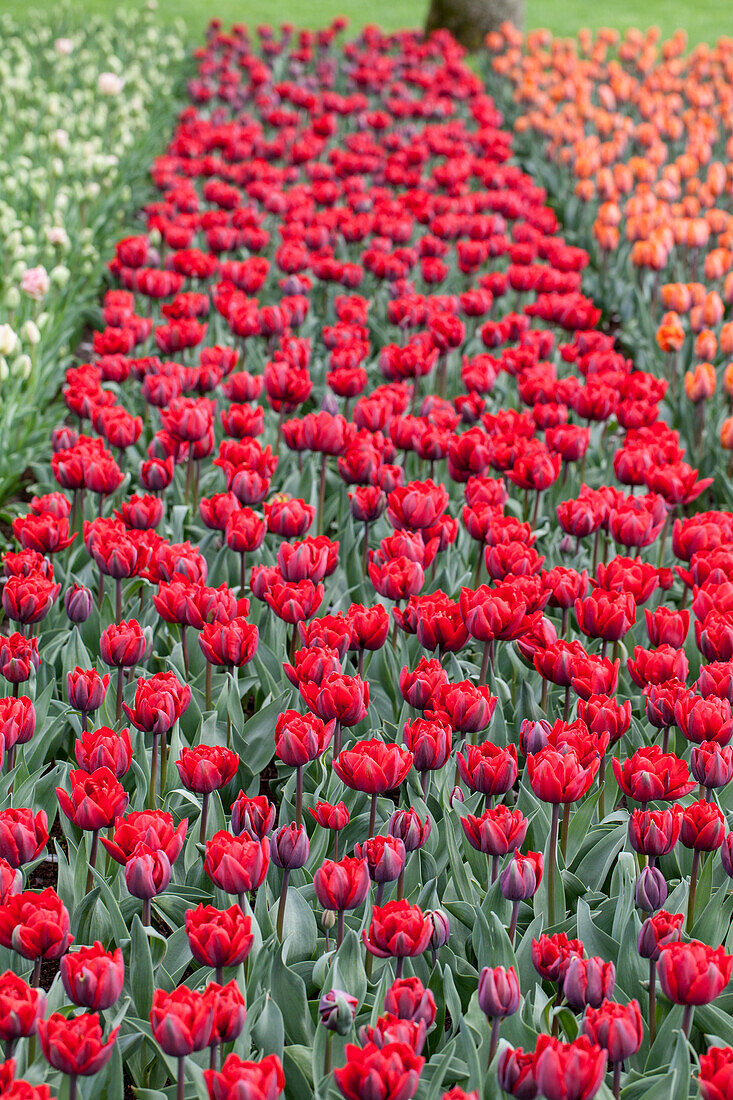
441,928
588,982
337,1010
651,889
78,602
516,1073
456,795
521,877
289,847
534,736
147,873
498,991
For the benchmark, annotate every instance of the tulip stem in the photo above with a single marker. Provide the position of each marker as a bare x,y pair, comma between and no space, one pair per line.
92,859
153,772
118,599
566,706
8,1049
242,573
494,1041
283,902
181,1083
536,510
299,796
513,922
616,1079
207,685
72,1086
665,738
485,663
36,977
687,1020
147,907
693,889
565,827
652,1001
340,928
184,648
373,815
322,494
552,861
203,820
602,796
477,570
212,1055
399,967
337,739
365,551
494,869
118,708
163,762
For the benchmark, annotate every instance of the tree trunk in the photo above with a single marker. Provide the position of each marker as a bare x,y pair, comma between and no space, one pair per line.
469,21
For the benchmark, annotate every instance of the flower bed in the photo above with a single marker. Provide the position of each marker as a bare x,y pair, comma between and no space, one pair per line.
350,761
633,138
83,104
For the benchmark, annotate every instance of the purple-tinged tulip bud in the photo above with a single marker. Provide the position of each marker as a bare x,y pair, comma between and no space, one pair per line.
657,931
456,795
726,855
534,736
522,875
337,1010
712,764
385,856
411,830
588,982
516,1073
651,889
498,991
289,847
78,602
63,437
147,873
441,928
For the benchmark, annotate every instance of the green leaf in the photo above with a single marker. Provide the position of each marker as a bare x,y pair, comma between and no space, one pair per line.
298,1072
300,931
288,991
255,742
142,979
268,1031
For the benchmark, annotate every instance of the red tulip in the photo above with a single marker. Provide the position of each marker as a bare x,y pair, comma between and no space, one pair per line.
207,768
693,973
395,1066
237,864
75,1045
93,977
568,1071
219,937
262,1080
397,930
181,1021
616,1028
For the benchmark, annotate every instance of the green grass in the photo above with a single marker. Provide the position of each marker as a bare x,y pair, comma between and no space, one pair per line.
703,20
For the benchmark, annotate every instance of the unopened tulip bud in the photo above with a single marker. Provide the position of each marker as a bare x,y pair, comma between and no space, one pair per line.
337,1010
289,847
78,602
651,889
